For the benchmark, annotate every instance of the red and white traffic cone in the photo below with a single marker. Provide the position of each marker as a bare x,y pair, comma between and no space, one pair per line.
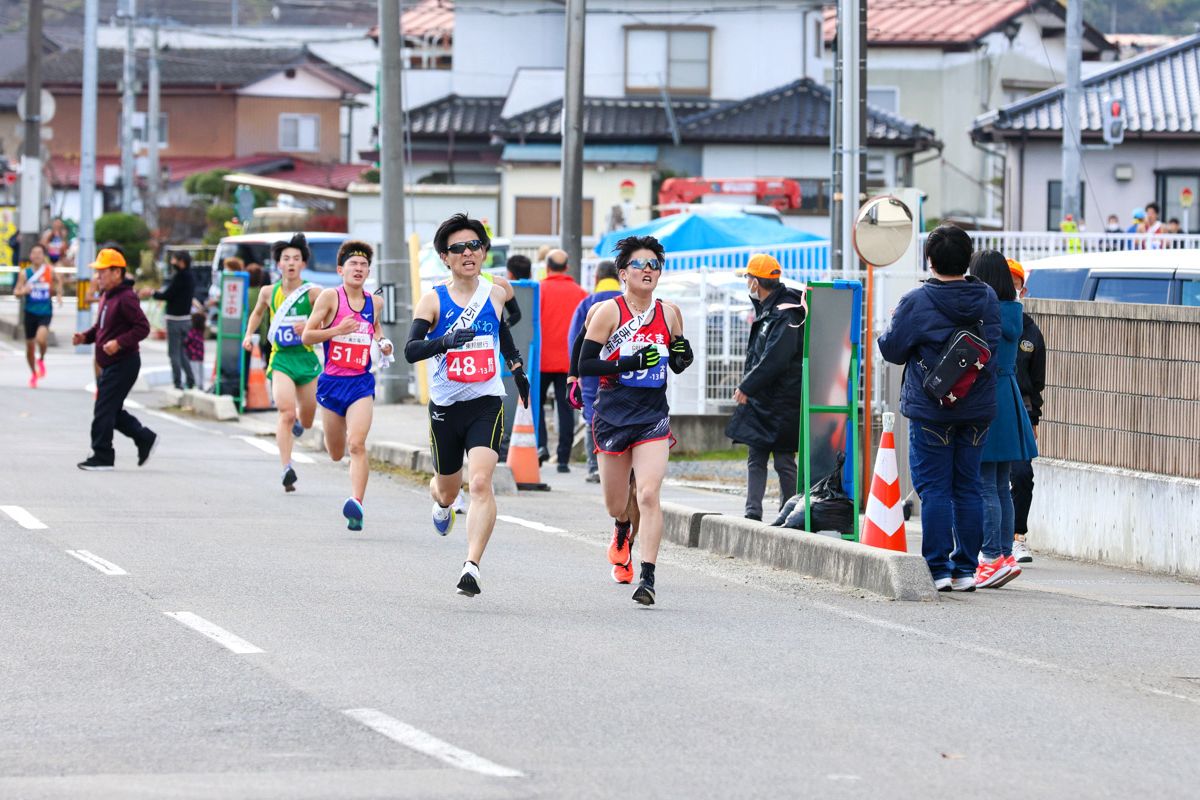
885,508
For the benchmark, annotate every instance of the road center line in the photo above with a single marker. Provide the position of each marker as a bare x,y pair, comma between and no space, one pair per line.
218,635
23,518
430,745
537,526
268,447
96,562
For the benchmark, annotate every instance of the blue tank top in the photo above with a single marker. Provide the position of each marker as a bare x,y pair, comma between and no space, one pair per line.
471,371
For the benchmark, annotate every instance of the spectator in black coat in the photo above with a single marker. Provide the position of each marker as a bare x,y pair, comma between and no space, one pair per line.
178,293
767,416
1031,379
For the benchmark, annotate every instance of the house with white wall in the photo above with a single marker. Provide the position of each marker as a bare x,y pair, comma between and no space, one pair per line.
1158,159
670,90
941,63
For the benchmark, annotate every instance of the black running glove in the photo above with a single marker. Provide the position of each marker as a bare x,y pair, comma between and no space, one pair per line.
522,382
681,354
457,338
418,348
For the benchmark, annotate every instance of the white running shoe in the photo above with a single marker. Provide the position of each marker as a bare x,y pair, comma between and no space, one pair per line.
966,584
468,580
1021,552
943,584
443,519
459,505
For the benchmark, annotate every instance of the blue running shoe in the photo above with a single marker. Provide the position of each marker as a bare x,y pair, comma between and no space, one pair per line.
443,519
297,429
352,510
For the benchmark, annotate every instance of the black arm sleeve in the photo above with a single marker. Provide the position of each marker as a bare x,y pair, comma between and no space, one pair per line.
576,349
512,312
418,348
508,348
590,362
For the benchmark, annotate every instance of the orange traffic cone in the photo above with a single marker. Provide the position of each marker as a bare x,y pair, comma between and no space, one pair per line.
522,452
885,513
257,396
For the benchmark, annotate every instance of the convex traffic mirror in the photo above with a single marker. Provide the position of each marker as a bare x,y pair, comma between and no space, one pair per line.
883,231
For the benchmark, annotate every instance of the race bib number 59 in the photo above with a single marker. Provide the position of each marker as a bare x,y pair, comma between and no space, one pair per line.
651,378
474,362
351,351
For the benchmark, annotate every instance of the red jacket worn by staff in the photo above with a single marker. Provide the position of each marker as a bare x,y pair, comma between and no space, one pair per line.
120,317
560,295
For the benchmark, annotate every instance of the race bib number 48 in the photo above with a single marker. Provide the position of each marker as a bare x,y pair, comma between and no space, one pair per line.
474,362
351,351
651,378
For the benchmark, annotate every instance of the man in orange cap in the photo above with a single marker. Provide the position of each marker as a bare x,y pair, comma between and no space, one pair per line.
120,325
1031,379
767,416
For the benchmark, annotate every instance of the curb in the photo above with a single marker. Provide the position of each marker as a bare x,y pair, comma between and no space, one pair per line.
16,332
419,459
210,406
898,576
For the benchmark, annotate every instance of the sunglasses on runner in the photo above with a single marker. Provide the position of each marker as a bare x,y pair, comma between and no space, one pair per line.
459,248
652,264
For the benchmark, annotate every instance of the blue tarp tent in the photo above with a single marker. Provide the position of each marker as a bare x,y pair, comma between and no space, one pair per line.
683,232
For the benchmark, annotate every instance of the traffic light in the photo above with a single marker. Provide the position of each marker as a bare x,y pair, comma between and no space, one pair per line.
1114,121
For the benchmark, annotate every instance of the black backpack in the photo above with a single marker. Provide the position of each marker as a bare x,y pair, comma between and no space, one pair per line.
960,362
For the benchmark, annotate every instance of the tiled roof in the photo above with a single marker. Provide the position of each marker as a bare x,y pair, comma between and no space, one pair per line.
465,116
1161,90
64,171
605,118
207,67
325,176
796,112
426,18
947,23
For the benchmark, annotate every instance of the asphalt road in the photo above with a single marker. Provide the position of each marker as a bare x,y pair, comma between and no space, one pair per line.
347,666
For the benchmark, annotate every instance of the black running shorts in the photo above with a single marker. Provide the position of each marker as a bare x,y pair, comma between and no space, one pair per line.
33,322
614,440
457,428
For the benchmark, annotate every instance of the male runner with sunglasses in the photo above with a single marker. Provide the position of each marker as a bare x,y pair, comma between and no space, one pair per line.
459,326
628,340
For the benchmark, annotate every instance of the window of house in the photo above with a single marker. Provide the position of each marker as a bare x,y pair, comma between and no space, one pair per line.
885,98
1054,215
139,129
299,132
877,177
814,197
1170,186
677,58
540,216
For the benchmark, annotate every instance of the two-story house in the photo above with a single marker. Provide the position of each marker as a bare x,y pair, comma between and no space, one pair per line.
251,110
944,62
669,91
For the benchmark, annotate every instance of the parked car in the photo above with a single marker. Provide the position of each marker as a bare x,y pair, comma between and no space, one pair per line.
255,248
1167,277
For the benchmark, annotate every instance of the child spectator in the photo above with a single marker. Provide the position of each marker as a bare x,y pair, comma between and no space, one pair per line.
193,346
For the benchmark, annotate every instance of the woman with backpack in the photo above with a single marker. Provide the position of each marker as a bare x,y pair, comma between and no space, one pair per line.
1011,437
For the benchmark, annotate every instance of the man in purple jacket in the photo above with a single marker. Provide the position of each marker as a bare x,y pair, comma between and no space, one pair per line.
119,327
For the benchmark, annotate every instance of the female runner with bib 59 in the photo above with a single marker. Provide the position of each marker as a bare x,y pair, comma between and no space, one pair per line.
344,320
630,341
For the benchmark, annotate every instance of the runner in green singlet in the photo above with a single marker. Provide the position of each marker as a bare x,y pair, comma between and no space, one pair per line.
294,366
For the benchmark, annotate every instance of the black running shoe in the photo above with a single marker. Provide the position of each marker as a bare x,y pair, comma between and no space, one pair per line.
146,447
94,464
289,479
644,593
468,582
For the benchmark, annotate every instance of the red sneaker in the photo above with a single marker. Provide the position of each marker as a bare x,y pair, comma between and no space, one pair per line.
33,381
41,368
1014,569
618,548
623,573
990,573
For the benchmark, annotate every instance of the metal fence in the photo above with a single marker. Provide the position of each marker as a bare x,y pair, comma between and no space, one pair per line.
1028,246
1122,385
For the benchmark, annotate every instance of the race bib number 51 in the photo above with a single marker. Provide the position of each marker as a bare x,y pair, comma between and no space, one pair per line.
474,362
351,351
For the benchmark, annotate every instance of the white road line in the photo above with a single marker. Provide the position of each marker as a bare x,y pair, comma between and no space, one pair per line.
268,447
96,562
176,420
133,403
428,744
537,526
23,518
218,635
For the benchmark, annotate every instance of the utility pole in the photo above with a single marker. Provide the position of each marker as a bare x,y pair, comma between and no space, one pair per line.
572,141
128,101
87,164
31,149
394,276
835,152
152,133
1072,137
848,18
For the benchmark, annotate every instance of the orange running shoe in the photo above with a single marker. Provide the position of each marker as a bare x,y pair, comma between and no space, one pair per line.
618,548
623,573
1014,569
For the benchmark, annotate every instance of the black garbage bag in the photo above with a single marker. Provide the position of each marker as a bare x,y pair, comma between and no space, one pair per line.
832,508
